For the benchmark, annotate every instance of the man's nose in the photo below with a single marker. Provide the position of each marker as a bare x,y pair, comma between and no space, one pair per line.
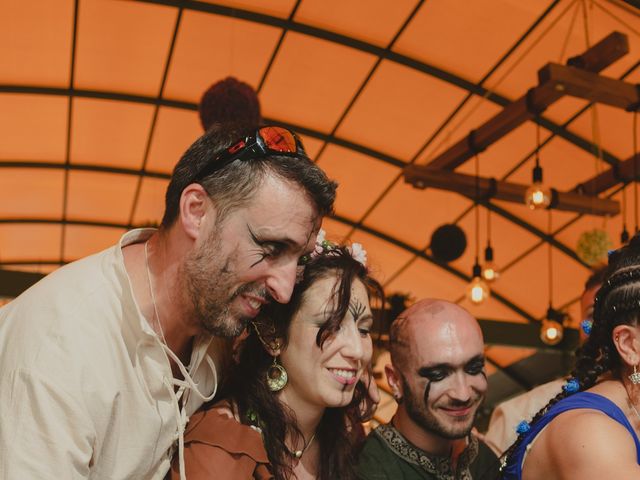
351,341
281,281
461,389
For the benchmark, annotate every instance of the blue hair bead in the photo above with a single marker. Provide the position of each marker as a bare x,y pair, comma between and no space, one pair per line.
523,427
572,386
586,326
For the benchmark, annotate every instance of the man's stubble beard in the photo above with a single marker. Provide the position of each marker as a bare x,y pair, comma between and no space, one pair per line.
421,414
208,279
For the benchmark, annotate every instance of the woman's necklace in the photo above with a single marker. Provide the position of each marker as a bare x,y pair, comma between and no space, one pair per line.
298,453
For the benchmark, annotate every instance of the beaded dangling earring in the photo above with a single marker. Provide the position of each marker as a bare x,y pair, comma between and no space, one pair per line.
635,376
277,376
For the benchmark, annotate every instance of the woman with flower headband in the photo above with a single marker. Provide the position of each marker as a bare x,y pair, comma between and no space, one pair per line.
590,430
292,406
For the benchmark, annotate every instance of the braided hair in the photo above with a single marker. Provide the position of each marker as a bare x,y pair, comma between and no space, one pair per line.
616,303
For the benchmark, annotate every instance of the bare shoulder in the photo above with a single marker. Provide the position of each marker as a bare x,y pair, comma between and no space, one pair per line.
581,444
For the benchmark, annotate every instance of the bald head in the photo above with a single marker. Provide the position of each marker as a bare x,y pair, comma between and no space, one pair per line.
437,372
434,322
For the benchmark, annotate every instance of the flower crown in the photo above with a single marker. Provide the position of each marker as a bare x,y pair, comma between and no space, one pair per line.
324,246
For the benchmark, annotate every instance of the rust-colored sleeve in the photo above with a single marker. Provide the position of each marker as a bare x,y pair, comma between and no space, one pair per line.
219,447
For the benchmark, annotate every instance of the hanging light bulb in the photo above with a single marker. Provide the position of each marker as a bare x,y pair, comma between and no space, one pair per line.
478,290
537,195
489,269
552,330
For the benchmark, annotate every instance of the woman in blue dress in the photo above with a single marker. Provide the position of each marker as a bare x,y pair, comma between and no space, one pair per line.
590,430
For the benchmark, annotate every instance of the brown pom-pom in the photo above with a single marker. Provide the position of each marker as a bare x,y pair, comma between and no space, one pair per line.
230,100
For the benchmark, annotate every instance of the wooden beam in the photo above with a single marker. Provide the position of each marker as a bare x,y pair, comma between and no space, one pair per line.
421,176
590,86
623,172
525,335
601,55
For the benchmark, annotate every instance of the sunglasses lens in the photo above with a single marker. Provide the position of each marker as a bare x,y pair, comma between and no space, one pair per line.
278,139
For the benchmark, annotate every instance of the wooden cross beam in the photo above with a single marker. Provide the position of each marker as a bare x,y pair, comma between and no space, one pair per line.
595,59
590,86
422,176
625,171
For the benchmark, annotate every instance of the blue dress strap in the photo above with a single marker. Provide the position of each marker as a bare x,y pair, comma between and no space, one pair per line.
580,400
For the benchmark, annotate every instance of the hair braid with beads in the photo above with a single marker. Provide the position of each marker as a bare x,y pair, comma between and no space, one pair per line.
616,303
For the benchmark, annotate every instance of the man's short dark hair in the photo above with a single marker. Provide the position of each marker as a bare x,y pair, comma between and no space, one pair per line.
234,185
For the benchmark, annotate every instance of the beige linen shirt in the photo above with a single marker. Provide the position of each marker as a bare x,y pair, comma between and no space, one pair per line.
86,389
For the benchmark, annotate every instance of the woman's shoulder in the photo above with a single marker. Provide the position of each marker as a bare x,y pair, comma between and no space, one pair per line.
580,443
584,440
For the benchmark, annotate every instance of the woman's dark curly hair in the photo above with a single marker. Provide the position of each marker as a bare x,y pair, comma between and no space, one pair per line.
616,303
247,385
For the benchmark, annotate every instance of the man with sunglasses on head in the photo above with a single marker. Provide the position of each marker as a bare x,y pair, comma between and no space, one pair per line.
103,361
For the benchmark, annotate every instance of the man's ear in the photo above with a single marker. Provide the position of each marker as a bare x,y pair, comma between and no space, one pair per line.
395,381
195,207
626,338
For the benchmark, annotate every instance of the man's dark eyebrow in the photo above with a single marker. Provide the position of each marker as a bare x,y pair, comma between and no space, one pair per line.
284,241
425,369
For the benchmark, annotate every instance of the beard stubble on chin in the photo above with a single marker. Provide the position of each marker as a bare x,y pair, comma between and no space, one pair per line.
209,278
420,413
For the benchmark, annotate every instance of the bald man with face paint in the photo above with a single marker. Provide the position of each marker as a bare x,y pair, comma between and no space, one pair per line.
437,377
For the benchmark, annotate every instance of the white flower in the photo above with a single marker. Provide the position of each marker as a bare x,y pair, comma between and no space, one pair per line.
358,253
321,236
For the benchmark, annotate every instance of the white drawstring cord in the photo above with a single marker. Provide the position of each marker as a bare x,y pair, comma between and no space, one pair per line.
181,414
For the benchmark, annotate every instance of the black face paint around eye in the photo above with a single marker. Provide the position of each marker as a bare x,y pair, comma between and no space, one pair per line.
427,389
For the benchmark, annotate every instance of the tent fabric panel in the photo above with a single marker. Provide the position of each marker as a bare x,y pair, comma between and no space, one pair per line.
361,179
537,219
312,81
109,133
312,145
618,140
123,46
399,109
422,279
491,309
211,47
335,230
276,8
505,356
508,241
175,130
560,36
498,160
532,271
28,241
40,54
81,241
104,197
473,112
370,21
150,206
33,127
29,193
383,258
472,54
409,214
557,157
564,109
